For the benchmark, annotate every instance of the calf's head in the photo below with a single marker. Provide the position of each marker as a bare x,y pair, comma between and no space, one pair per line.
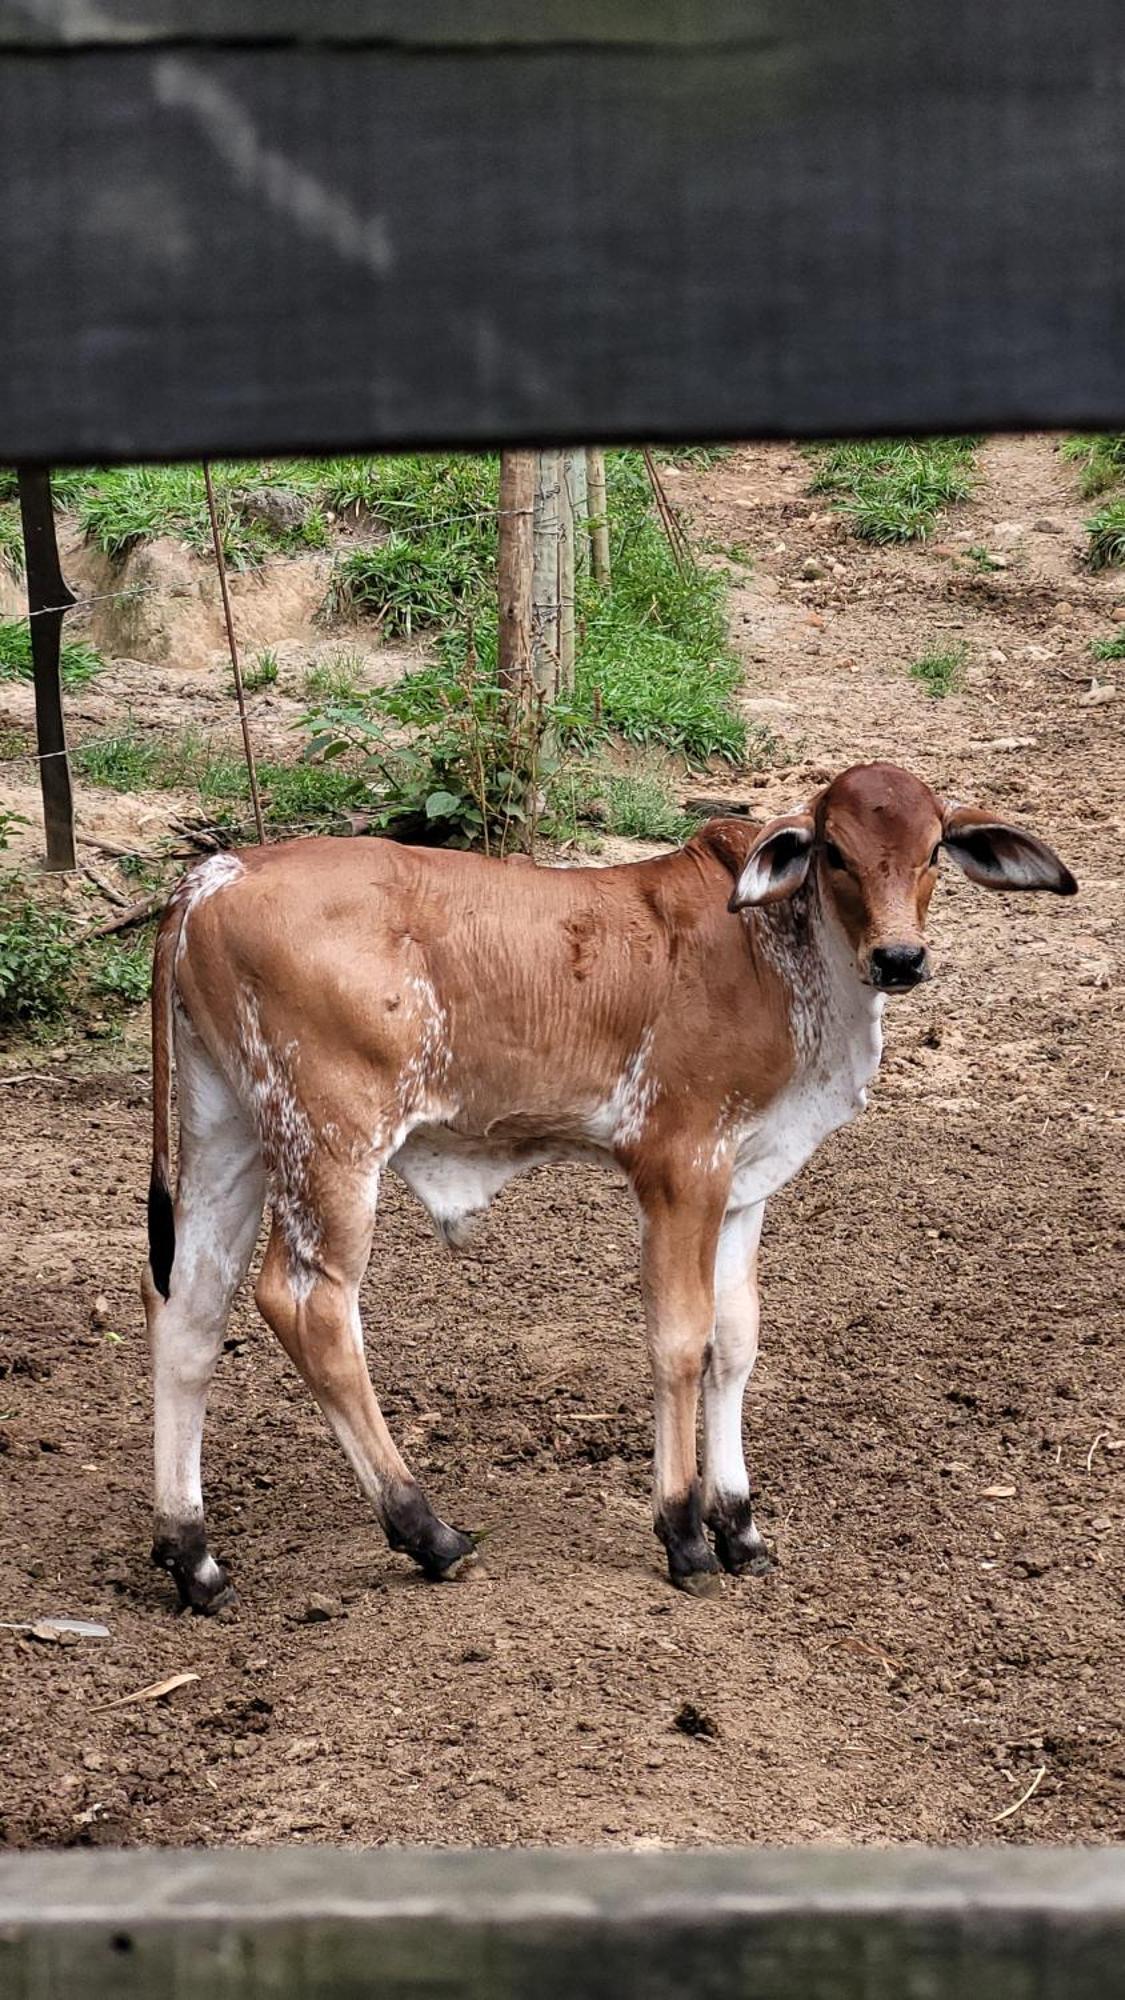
874,837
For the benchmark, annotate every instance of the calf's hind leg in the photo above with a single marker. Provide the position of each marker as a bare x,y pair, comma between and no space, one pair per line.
312,1304
217,1211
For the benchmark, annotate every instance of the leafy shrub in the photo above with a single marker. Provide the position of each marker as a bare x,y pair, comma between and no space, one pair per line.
37,952
470,773
122,972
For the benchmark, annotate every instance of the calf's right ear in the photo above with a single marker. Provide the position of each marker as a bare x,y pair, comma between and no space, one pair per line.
777,864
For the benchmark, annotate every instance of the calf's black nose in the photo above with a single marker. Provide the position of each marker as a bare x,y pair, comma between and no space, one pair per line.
896,967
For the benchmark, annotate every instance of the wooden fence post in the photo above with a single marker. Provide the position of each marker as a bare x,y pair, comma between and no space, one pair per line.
48,598
598,518
545,588
514,568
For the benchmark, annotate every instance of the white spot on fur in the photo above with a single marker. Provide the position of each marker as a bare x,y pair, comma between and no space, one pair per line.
288,1143
621,1120
219,871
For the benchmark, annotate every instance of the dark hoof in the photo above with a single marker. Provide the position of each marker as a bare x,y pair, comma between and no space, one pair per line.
738,1544
456,1553
414,1530
699,1582
203,1584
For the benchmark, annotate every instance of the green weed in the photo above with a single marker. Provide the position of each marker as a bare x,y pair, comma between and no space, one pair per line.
121,972
9,821
940,672
1106,532
983,560
338,679
892,489
37,952
120,762
79,662
1109,649
262,671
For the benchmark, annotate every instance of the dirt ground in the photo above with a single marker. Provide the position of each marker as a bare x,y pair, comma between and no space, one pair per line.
942,1306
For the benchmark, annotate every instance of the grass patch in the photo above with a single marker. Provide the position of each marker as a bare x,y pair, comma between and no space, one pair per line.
893,489
263,510
1106,531
638,804
262,671
1101,460
409,584
339,679
11,541
120,762
79,663
941,671
1109,649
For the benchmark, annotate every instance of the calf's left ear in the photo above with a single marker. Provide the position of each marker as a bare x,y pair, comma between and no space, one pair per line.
1002,857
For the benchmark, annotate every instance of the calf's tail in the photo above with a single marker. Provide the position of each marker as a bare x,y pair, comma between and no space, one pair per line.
161,1214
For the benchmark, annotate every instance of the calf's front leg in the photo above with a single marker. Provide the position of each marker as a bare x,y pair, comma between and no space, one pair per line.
679,1234
726,1483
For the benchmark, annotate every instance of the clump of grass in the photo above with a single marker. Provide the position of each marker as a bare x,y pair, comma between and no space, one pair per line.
1106,531
638,804
893,489
1109,649
338,679
941,671
79,662
1101,458
293,793
982,558
11,540
37,952
410,583
701,455
122,761
262,671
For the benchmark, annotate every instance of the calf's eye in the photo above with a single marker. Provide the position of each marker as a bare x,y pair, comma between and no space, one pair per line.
934,855
833,855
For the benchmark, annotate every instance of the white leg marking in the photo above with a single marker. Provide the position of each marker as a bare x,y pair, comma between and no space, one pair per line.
733,1355
218,1208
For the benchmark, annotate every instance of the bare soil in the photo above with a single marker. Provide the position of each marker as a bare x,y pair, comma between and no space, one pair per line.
943,1301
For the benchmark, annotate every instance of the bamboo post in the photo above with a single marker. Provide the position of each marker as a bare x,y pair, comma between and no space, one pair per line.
515,567
566,570
48,598
545,584
598,519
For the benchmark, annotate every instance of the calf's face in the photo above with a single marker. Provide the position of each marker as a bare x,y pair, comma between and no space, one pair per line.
875,836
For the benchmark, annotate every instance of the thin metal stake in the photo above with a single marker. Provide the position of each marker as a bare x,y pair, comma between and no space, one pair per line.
240,693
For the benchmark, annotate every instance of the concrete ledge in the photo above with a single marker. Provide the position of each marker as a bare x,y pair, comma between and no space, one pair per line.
902,1924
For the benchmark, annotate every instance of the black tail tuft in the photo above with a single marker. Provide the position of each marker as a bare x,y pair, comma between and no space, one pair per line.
161,1234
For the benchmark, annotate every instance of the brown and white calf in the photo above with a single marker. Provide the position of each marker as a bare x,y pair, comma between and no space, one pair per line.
700,1021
